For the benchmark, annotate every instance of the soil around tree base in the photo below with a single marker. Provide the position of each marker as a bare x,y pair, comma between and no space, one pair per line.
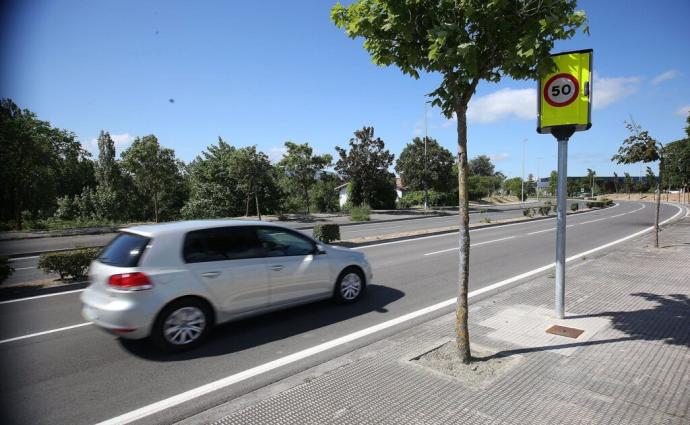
486,365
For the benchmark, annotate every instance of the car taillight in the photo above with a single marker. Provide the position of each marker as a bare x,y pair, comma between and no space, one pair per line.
130,281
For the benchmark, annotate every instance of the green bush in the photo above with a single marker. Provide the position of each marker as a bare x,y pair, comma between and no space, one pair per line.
574,206
360,213
599,204
5,269
527,212
327,233
68,264
545,210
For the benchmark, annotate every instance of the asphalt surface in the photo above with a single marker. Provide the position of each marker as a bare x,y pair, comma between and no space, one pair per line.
82,375
26,271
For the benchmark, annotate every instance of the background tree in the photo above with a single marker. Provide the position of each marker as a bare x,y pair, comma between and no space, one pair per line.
254,173
628,183
213,186
156,174
437,175
615,182
325,198
365,166
677,163
513,186
481,166
590,180
39,165
466,42
553,182
301,168
641,147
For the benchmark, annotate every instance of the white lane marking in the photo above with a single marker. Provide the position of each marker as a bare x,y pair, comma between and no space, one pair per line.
23,268
23,258
592,221
542,231
169,402
45,332
472,245
370,229
41,296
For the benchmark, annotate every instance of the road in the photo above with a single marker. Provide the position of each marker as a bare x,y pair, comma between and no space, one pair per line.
82,375
26,271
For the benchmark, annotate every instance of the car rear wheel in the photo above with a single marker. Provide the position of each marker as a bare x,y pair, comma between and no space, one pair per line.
350,286
182,325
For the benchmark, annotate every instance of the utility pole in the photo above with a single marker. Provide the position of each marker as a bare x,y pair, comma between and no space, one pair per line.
538,179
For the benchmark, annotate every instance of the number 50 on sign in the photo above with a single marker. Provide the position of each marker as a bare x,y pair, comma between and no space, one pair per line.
565,95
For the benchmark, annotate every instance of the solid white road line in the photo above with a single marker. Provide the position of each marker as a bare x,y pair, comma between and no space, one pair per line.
45,332
41,296
23,268
23,258
472,245
542,231
300,355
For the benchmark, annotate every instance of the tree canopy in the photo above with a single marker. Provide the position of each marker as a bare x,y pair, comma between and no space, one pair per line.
436,175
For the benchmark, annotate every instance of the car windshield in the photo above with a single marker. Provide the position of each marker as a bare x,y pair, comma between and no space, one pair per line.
124,251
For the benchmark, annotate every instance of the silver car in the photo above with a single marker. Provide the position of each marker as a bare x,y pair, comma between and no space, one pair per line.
172,282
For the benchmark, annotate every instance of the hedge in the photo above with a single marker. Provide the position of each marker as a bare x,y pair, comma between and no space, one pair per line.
327,233
574,206
68,264
599,204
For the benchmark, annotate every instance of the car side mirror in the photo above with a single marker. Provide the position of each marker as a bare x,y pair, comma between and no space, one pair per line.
319,250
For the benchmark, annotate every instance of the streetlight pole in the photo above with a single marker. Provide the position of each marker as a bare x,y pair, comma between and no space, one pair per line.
538,179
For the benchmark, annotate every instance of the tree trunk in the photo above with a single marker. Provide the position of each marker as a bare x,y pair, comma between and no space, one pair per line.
249,198
306,196
462,335
155,207
256,199
658,204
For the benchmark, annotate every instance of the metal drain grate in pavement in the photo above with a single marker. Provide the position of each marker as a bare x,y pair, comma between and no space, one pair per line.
564,331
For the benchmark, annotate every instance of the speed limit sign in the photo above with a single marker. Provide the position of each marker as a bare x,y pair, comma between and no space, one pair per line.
565,95
561,90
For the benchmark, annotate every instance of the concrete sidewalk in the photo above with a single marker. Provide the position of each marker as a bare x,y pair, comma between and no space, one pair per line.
630,366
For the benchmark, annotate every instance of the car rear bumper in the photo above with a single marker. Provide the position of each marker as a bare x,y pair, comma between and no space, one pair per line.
119,317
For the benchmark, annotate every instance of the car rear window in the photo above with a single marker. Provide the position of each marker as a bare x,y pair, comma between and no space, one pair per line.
124,251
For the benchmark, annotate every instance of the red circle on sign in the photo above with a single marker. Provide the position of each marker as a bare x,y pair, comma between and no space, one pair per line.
567,101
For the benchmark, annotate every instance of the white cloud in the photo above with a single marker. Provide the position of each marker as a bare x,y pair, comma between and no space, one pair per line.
275,154
683,111
609,90
665,76
502,104
499,156
121,141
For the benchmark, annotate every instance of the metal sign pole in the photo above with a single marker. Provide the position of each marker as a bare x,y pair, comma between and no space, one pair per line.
560,224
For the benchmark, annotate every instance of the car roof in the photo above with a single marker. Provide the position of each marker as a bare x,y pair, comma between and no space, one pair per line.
152,230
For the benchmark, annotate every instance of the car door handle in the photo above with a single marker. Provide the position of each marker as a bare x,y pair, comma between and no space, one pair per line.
277,267
211,275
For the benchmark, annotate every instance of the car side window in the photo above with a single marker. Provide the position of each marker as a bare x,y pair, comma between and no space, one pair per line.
278,242
219,244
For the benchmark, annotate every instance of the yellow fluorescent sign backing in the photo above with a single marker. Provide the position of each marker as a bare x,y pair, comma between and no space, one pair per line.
565,96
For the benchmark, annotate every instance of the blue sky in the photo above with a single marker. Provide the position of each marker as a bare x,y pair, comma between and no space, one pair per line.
270,71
